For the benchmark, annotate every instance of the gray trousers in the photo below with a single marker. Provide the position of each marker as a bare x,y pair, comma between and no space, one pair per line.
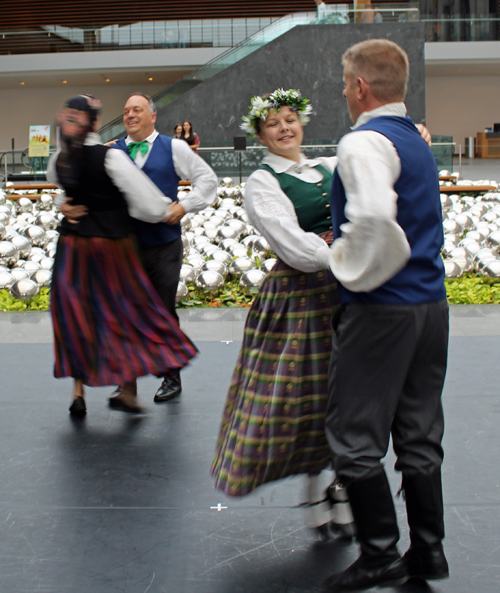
386,377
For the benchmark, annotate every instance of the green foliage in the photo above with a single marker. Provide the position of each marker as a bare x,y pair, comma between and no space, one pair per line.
231,295
473,290
41,302
467,290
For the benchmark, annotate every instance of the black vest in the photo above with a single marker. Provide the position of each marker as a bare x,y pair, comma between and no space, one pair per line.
107,209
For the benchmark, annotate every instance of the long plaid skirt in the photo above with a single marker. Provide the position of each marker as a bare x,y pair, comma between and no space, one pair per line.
273,422
110,325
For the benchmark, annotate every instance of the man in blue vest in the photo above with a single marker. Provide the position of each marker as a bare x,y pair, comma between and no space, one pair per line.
391,333
165,161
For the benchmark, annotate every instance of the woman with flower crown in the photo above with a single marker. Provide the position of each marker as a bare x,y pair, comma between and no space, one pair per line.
273,421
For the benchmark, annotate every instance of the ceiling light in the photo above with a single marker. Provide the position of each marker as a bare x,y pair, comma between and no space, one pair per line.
21,83
64,81
150,78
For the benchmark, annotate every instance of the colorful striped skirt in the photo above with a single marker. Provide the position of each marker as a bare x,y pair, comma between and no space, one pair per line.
273,422
110,326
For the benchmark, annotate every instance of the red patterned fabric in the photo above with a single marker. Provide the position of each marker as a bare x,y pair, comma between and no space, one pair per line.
110,326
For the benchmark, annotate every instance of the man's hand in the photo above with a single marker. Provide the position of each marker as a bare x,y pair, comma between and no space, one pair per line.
176,213
424,132
73,213
110,143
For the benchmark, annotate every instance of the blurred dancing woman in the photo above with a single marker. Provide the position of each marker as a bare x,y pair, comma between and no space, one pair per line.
273,422
110,326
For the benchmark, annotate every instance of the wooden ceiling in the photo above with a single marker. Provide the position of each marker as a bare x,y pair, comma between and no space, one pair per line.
21,14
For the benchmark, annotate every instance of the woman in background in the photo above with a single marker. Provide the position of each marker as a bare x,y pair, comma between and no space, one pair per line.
190,137
178,131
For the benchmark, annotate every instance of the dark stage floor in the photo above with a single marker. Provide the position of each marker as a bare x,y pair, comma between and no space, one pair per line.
123,504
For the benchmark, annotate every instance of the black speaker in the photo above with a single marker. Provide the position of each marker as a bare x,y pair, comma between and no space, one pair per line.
240,143
496,128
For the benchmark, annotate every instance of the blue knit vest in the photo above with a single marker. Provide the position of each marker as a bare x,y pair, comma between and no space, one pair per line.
419,215
159,167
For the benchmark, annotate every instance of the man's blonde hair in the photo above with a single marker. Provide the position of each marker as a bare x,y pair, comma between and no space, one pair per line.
382,64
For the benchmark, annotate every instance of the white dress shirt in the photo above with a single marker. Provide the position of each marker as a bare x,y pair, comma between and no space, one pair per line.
271,211
187,165
372,247
144,200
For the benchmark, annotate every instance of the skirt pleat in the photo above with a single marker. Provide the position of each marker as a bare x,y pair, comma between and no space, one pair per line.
110,326
273,422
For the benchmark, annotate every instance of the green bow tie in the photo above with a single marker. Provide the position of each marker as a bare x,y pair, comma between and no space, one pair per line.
134,147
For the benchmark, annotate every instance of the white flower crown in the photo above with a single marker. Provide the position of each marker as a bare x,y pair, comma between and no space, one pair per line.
260,106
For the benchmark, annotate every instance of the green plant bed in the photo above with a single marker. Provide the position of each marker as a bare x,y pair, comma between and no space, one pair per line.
41,302
467,290
473,290
231,295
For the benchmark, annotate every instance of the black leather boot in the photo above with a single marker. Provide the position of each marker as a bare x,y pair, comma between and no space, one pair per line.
379,564
424,507
170,388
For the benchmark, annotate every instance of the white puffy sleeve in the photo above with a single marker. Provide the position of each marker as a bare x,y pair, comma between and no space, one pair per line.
372,247
273,214
189,165
144,200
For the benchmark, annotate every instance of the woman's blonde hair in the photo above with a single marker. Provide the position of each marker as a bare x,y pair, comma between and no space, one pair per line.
382,64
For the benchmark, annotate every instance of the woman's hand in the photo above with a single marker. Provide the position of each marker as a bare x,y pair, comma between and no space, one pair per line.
73,213
424,132
176,212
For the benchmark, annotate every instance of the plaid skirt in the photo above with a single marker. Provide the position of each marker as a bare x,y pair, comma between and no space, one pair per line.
110,325
273,422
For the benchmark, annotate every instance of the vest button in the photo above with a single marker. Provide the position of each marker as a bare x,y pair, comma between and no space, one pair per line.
320,185
327,205
328,218
325,194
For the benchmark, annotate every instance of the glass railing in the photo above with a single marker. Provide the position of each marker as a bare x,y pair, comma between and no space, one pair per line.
142,35
179,34
115,128
485,27
224,160
230,32
16,165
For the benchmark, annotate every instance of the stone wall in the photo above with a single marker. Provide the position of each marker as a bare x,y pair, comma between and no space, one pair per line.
307,58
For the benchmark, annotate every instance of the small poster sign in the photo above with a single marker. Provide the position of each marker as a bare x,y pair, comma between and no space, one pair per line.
39,141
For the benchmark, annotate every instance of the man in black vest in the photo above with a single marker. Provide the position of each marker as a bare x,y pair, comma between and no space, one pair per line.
165,161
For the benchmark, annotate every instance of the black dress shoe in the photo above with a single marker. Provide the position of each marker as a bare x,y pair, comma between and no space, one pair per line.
170,388
368,572
78,407
429,564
